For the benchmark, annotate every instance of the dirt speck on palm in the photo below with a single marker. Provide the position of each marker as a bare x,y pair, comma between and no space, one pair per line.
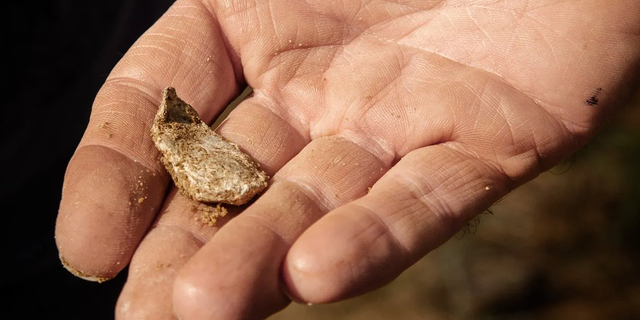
203,164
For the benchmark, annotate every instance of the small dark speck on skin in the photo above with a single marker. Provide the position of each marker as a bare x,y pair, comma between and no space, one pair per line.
593,100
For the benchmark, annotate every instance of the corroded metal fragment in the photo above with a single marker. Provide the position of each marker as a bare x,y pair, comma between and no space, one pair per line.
203,164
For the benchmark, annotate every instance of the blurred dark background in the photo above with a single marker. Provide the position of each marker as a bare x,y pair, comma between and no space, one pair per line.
565,246
60,53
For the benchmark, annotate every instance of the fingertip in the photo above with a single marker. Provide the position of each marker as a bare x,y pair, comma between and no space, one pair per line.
82,243
312,272
232,277
189,298
297,277
152,272
82,275
339,257
197,298
108,202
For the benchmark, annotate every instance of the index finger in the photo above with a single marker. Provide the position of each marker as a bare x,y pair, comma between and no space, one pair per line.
114,184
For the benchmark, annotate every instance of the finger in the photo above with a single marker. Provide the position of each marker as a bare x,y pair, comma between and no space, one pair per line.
114,184
420,203
184,225
237,274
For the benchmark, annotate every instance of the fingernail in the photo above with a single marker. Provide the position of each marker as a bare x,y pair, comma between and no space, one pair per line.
81,274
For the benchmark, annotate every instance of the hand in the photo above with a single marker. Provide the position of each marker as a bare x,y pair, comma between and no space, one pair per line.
440,108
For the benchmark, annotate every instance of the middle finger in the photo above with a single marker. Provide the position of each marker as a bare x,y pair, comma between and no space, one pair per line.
237,274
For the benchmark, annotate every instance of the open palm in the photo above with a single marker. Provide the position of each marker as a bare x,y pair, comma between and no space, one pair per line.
386,126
